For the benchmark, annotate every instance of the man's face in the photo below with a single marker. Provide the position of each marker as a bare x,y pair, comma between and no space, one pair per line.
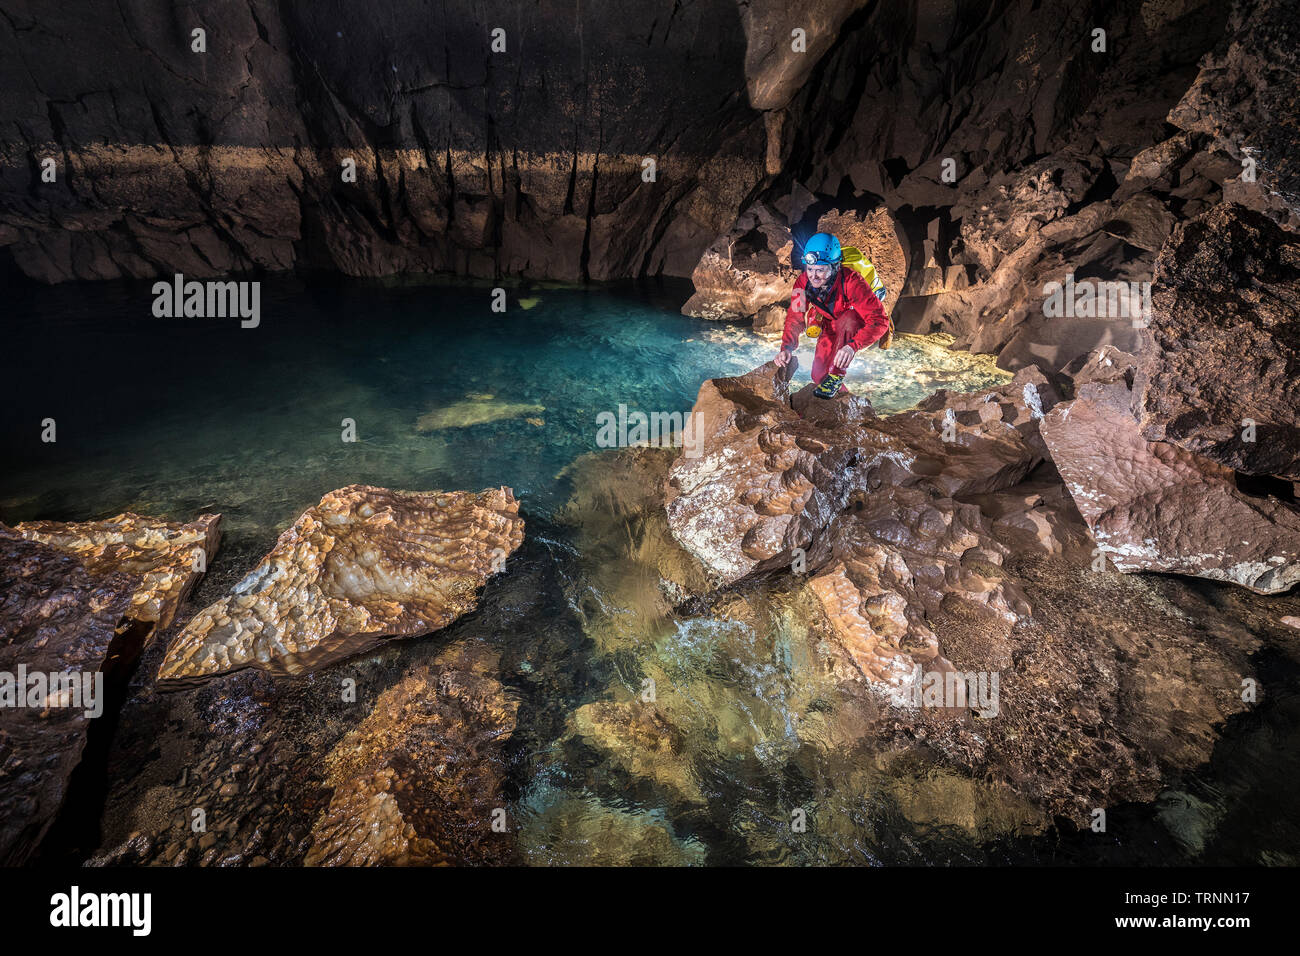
819,275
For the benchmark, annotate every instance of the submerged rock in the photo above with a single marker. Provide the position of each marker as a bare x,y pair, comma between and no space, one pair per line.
363,565
418,781
584,830
642,742
476,411
1153,506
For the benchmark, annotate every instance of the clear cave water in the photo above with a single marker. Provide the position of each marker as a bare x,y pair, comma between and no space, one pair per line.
176,417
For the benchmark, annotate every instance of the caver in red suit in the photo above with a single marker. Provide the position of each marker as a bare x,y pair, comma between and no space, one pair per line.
857,318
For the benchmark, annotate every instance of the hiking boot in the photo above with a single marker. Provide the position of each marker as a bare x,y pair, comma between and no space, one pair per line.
830,386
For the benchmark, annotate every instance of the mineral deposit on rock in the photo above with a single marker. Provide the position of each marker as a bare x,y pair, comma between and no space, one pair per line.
363,565
169,557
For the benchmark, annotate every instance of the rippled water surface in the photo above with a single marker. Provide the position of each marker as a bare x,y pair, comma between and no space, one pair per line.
174,417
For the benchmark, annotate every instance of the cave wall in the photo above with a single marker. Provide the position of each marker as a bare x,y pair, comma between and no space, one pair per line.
525,162
529,162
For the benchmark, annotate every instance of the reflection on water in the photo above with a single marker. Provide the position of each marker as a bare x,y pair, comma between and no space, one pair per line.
177,416
647,735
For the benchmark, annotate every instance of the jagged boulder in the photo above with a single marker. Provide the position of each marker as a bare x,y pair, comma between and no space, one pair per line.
746,270
1106,364
1225,330
774,469
1143,221
1153,506
416,783
363,565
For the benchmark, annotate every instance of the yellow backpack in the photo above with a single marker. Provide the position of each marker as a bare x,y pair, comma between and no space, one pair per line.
860,264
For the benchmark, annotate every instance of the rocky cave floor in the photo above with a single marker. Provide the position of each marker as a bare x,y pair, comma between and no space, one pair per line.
1113,687
1115,532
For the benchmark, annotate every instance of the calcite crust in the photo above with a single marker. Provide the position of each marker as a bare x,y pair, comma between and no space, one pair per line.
363,565
168,557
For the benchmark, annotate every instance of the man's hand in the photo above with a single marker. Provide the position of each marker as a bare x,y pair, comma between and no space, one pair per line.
782,357
844,356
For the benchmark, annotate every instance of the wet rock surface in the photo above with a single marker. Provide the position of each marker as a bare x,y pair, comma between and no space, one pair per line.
396,761
324,769
906,559
168,557
419,781
1154,506
56,617
363,565
1111,685
774,469
822,677
963,571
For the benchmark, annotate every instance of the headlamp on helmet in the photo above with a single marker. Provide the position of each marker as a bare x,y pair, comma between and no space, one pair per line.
823,249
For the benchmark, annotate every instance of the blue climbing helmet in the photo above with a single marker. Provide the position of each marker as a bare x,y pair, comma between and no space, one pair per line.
822,249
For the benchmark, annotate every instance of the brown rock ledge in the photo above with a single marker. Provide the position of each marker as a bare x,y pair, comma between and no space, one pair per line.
363,565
